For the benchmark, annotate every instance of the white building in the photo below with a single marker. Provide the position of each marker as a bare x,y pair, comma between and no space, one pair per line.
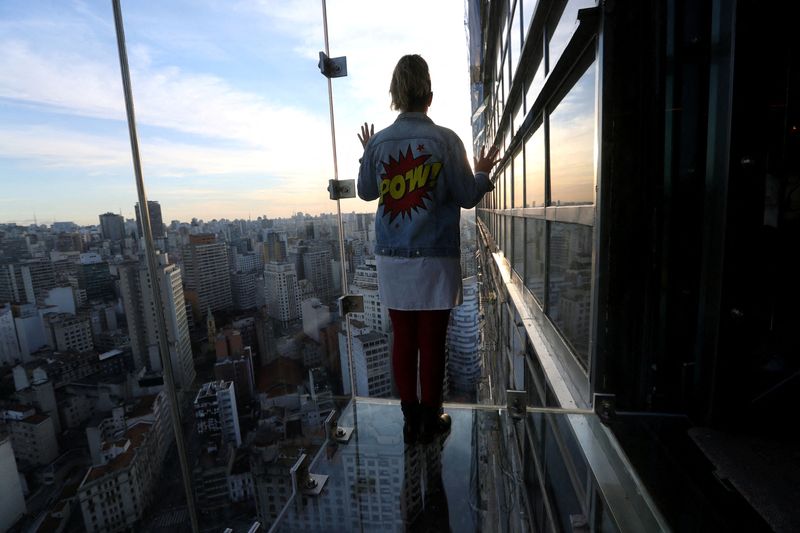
280,283
463,340
127,454
137,299
30,330
207,273
12,503
33,435
365,283
215,411
371,360
9,349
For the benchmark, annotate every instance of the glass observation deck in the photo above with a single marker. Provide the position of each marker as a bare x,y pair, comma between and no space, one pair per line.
536,470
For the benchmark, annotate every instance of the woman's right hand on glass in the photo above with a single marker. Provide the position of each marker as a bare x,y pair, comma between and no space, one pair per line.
486,161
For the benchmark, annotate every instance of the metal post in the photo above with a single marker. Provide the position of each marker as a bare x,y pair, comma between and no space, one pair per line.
144,212
338,202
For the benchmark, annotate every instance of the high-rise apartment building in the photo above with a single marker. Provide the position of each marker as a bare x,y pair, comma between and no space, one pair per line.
317,269
282,293
243,288
156,221
112,226
371,361
26,280
207,274
137,299
463,340
215,411
365,283
274,247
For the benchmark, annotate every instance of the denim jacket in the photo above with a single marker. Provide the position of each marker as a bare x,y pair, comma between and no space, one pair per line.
420,175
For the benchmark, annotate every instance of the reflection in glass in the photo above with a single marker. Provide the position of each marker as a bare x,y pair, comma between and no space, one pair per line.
507,237
535,86
559,36
569,295
535,260
527,14
557,481
514,41
506,187
519,180
534,169
572,144
518,262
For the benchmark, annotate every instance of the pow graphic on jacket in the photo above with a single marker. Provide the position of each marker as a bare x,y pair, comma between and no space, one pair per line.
406,183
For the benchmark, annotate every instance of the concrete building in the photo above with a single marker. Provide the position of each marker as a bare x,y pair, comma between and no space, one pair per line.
9,348
243,287
68,332
365,283
235,363
215,412
463,340
207,274
12,503
30,329
114,495
280,282
112,226
156,220
137,299
33,435
371,360
26,280
317,269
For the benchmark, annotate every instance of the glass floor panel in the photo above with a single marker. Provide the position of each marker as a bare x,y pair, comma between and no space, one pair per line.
377,483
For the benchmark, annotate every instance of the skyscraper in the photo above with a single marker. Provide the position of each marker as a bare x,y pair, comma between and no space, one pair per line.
280,282
370,351
112,226
207,274
215,411
156,222
317,268
142,323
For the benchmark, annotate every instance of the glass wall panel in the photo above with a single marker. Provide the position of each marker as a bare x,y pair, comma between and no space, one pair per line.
519,179
569,294
507,237
515,39
518,262
560,31
558,484
527,15
572,141
535,256
535,86
507,187
534,169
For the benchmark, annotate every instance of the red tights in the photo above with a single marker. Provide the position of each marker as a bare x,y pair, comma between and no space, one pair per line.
426,332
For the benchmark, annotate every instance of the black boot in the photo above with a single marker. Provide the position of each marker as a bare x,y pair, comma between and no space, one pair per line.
411,415
434,423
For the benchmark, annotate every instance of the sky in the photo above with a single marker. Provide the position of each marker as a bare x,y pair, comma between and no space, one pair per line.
231,109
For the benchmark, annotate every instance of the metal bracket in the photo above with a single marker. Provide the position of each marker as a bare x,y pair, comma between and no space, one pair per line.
336,432
605,407
339,189
332,67
516,402
351,303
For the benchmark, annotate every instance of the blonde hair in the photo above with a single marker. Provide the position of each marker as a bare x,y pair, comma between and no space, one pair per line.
411,84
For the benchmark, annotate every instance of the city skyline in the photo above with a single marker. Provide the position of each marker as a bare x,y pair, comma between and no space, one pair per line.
209,83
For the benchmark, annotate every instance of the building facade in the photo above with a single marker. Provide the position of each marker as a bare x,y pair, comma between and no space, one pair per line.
215,412
464,340
207,274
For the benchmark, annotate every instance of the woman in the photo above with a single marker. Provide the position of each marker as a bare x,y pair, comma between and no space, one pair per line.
420,174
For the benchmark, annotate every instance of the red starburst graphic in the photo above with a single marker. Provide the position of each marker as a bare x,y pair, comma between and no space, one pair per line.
406,183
